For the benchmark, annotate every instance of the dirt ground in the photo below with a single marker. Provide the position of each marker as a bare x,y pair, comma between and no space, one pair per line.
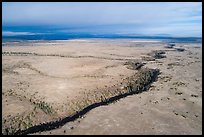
62,71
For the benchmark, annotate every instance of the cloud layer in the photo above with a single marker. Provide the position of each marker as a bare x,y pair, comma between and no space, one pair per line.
177,19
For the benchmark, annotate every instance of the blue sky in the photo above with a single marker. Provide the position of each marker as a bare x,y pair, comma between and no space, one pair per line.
130,18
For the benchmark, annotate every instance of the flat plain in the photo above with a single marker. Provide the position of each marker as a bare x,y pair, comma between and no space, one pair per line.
45,81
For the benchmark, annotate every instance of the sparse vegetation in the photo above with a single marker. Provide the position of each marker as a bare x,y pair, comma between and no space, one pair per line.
180,49
175,64
45,107
165,78
152,56
134,64
158,54
136,84
179,83
178,93
148,58
192,95
15,123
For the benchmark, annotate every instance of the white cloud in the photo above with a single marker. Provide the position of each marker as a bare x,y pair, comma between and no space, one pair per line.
138,15
11,33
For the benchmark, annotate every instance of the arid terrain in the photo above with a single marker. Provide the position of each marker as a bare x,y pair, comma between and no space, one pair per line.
44,81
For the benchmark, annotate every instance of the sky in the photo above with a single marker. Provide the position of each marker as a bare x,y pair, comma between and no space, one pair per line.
180,19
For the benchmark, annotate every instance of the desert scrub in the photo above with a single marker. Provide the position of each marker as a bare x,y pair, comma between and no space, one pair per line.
45,107
166,78
141,80
17,53
147,58
174,64
11,68
178,93
157,54
179,83
192,95
174,88
15,123
134,64
152,56
136,84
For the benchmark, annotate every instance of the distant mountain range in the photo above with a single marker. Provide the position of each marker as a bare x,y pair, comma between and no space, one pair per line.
49,33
